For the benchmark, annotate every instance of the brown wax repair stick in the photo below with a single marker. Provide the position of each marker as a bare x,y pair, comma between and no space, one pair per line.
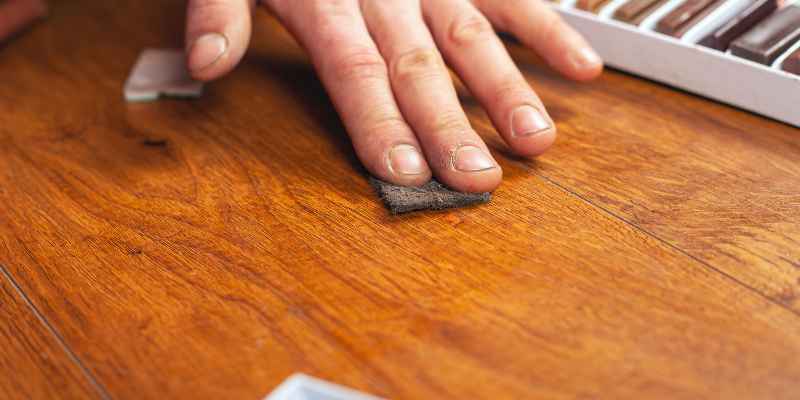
721,39
770,38
635,11
686,16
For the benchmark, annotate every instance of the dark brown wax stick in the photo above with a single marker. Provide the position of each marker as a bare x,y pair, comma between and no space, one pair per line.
792,64
686,16
771,37
635,11
721,39
699,17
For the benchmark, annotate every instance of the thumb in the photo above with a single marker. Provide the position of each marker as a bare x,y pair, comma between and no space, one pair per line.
217,36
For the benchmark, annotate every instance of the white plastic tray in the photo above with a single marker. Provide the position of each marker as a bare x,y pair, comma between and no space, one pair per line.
304,387
706,72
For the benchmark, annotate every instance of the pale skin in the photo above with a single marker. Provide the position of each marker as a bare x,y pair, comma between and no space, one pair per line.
385,65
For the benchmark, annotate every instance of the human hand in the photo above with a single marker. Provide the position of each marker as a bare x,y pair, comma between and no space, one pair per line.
17,14
383,65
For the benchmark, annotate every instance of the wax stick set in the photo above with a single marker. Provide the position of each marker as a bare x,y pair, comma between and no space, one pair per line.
742,52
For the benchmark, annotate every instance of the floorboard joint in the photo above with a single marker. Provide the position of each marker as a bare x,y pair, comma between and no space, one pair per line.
661,240
56,335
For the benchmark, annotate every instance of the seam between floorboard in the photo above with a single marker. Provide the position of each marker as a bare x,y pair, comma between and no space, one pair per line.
669,244
56,335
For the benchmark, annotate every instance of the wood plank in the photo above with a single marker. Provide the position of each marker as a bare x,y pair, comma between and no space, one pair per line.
249,246
721,184
33,364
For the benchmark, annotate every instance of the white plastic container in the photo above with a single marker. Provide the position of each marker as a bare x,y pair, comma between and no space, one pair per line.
765,90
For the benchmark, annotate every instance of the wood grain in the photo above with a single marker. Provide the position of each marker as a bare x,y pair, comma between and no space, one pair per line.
720,184
208,249
33,364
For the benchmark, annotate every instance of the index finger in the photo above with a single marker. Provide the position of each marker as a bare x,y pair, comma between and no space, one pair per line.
540,28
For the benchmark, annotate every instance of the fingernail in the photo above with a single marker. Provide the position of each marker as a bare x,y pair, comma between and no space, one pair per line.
528,121
206,50
404,159
586,57
472,159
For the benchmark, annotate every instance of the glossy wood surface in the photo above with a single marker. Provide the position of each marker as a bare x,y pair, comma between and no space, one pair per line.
211,248
33,361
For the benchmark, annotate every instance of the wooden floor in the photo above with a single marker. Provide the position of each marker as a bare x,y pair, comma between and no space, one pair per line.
208,249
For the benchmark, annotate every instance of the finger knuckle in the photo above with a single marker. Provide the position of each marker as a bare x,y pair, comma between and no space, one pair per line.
450,122
358,64
381,127
381,122
512,89
417,64
470,28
